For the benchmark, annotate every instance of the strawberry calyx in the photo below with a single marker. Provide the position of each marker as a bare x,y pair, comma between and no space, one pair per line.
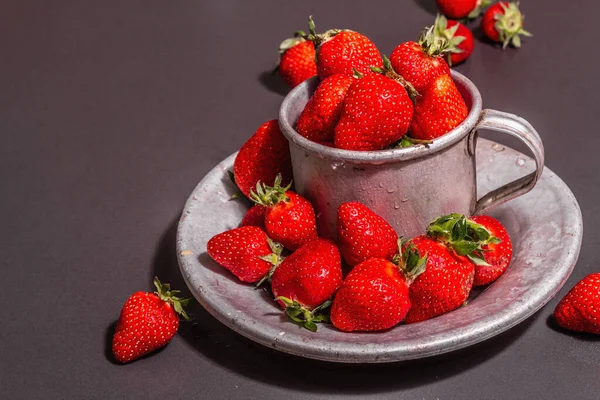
268,196
440,29
164,292
303,316
237,194
433,45
275,258
407,141
319,38
463,236
510,25
480,5
389,72
409,260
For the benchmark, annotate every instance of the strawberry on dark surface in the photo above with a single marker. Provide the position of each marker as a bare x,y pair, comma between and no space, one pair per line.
246,251
362,234
503,23
342,51
375,294
255,216
296,60
377,112
265,155
459,9
323,110
420,63
579,310
459,38
496,255
307,279
290,218
148,321
438,110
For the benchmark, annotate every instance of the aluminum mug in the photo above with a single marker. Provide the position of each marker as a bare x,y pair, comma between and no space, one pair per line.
411,186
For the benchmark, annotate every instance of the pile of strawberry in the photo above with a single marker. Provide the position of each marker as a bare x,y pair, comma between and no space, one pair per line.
388,279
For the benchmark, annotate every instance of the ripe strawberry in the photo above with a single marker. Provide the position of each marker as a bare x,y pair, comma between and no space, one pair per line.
375,295
148,321
438,110
290,218
362,234
459,9
497,256
255,217
503,22
306,280
377,112
296,60
459,38
323,110
246,251
579,310
262,157
421,62
342,51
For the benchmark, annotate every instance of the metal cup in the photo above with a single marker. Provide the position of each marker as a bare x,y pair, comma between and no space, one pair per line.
408,187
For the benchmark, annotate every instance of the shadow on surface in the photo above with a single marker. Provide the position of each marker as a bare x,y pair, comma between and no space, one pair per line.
583,336
273,82
242,356
427,5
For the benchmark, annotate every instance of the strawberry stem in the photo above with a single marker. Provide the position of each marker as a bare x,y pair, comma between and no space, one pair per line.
409,260
303,316
164,292
268,196
388,71
274,258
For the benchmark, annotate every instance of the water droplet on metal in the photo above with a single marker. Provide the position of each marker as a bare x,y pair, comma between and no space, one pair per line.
380,184
390,190
396,206
520,162
404,199
498,147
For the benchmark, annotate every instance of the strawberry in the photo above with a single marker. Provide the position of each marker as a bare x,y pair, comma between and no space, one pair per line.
262,157
375,294
342,51
459,9
290,218
579,310
459,38
255,217
377,112
296,60
438,110
453,246
246,251
497,256
362,234
323,110
306,280
148,321
421,62
503,22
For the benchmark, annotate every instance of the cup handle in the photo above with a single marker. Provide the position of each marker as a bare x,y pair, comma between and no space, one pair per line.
521,129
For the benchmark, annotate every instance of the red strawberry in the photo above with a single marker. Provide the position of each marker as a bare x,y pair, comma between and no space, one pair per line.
438,110
579,310
459,9
342,51
247,252
375,294
421,62
323,110
497,256
362,234
377,112
503,22
148,321
459,38
297,60
306,280
255,217
290,218
262,157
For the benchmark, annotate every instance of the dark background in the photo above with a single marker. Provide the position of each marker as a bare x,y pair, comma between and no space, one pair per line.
112,111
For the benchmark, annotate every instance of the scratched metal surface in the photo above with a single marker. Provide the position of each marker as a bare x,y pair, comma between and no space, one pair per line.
545,226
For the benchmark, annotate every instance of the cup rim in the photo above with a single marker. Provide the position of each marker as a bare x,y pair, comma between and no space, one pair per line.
381,156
